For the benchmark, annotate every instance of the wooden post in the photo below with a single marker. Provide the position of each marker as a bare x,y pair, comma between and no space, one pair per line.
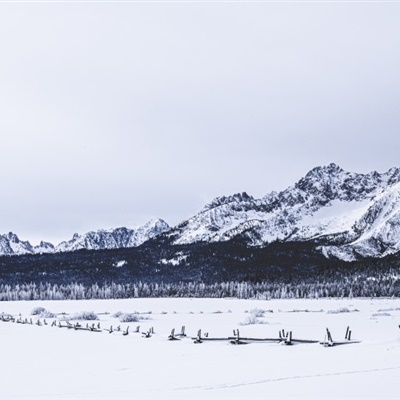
198,338
237,340
329,335
346,337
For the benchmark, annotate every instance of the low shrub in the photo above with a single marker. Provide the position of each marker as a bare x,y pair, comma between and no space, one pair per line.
129,317
47,314
253,320
381,314
85,315
257,312
38,310
253,317
117,314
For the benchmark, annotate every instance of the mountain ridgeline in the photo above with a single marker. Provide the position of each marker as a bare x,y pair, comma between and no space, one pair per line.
328,219
102,239
346,215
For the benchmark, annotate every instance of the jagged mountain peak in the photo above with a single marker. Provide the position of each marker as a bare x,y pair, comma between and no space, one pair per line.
45,244
158,223
393,175
223,200
13,237
329,169
44,247
332,182
11,244
325,180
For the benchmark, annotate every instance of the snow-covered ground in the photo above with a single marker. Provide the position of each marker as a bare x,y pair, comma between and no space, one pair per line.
44,362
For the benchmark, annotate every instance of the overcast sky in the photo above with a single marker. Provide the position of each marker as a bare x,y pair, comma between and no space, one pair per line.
115,113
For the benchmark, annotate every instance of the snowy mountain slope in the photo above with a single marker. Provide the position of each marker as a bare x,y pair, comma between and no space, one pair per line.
10,244
351,214
377,231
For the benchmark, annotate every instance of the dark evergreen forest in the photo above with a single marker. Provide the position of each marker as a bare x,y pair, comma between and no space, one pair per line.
230,269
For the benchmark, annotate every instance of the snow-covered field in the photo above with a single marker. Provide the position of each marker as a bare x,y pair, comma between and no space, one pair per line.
44,362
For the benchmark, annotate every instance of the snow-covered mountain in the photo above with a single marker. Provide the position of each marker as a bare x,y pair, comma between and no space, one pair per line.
114,238
348,215
10,244
43,247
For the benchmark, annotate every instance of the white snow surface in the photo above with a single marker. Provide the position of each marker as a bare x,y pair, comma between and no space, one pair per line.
179,259
338,216
120,264
44,362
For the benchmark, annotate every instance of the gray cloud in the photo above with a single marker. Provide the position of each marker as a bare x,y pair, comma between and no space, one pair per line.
115,113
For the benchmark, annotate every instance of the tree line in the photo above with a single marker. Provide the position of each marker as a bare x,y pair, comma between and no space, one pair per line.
365,284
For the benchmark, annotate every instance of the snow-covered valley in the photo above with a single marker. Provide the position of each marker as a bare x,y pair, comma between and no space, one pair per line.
45,362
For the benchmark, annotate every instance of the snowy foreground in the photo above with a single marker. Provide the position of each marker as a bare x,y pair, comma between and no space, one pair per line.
44,362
